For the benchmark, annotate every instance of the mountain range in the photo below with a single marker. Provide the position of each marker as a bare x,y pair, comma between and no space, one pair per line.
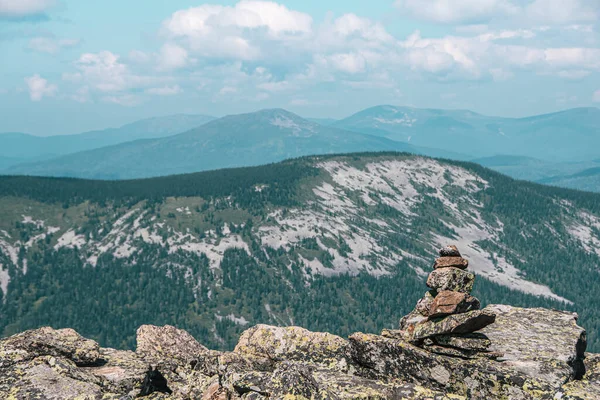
232,141
556,149
565,136
17,148
339,243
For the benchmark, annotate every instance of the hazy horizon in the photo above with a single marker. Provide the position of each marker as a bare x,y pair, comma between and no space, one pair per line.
308,117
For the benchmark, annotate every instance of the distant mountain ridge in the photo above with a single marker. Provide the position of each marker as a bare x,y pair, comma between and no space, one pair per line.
573,175
571,135
20,147
233,141
587,179
547,148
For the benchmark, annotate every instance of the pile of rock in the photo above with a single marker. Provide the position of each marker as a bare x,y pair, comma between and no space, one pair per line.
445,319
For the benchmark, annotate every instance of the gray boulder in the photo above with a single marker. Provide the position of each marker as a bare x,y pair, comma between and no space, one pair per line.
167,343
453,279
458,323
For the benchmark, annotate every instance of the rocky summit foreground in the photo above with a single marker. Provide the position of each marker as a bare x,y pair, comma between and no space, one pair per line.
447,348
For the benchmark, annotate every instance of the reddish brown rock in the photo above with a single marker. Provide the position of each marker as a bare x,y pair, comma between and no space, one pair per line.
447,262
448,302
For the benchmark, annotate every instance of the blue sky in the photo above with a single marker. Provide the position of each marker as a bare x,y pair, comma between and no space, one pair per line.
68,66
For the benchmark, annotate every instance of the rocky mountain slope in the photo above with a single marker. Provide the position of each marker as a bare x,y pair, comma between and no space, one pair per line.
567,136
233,141
333,243
17,148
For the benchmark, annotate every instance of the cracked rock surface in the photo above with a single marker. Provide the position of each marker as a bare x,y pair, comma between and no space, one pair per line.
539,355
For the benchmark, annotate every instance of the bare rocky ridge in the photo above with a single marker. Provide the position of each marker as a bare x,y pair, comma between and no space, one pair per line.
446,349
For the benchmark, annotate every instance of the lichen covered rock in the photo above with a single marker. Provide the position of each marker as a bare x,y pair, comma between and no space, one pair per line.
466,341
452,279
525,354
295,344
167,342
46,341
457,323
544,344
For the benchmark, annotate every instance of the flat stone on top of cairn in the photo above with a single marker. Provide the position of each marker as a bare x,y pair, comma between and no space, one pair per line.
449,251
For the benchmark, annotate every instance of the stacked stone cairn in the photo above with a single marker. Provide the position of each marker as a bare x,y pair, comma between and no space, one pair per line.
447,318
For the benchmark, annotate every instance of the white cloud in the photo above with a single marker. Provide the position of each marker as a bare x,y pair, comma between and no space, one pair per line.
276,18
51,45
39,87
564,11
440,56
573,57
349,33
23,8
351,63
172,57
456,11
104,76
104,72
349,25
507,34
238,31
565,61
522,12
486,55
596,96
165,90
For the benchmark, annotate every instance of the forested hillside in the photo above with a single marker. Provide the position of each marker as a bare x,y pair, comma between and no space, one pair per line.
335,243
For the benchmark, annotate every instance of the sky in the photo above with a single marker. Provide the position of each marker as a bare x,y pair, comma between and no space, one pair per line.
69,66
